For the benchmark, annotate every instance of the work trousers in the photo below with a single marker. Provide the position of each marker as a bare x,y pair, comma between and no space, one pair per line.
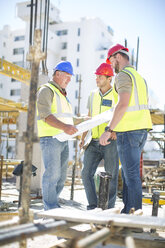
55,156
130,145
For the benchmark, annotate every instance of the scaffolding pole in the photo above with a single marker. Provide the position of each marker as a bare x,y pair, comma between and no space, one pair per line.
29,138
76,145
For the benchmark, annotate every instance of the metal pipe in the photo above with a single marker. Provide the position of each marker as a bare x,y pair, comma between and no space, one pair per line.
1,175
29,138
164,133
30,230
137,55
31,23
76,146
129,241
46,39
43,40
125,41
45,14
93,239
35,15
40,12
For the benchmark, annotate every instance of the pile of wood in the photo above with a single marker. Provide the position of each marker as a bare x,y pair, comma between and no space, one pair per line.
154,174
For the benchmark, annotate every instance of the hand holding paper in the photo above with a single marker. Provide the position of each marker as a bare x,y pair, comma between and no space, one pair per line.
87,125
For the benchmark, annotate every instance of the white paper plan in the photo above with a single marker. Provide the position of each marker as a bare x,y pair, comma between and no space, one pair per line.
87,125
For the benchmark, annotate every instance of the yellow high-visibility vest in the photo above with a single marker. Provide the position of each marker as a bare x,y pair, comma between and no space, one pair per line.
137,115
60,108
98,105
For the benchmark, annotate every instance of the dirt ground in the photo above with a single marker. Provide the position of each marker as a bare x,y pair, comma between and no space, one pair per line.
9,203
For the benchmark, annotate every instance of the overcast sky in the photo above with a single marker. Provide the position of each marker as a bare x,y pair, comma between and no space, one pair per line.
129,19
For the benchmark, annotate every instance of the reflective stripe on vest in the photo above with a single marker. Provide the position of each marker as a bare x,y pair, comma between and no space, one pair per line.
137,115
137,105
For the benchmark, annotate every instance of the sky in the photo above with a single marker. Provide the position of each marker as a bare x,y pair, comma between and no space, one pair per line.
129,19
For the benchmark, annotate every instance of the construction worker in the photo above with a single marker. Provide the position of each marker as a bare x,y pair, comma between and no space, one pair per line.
99,101
54,116
131,121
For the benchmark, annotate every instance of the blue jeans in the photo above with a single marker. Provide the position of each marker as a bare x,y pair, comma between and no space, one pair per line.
130,145
92,157
55,156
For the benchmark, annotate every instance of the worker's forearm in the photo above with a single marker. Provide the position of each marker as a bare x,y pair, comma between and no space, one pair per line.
54,122
84,135
77,120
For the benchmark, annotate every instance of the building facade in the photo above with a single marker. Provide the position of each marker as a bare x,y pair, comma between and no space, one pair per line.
84,43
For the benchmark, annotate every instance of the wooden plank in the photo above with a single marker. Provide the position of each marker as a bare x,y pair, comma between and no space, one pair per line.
123,220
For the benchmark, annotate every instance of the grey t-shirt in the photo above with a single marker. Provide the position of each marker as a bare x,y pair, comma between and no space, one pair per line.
123,82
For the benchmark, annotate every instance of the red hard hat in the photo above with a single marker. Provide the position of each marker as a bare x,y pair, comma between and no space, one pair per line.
104,69
115,49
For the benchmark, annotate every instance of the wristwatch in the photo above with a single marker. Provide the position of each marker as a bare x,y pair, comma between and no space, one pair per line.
107,129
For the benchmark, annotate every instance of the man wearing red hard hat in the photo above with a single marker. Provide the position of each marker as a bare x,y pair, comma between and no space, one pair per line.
100,100
131,121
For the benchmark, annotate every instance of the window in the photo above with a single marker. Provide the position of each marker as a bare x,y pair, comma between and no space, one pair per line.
1,86
78,47
18,38
16,92
76,94
110,30
64,45
78,32
78,62
63,58
76,110
77,78
19,63
102,56
18,51
62,32
13,80
4,44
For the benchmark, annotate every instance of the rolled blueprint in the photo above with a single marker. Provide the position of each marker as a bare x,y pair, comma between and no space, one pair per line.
86,125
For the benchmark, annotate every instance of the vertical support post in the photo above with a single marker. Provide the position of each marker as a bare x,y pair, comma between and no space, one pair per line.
34,56
76,145
103,198
1,121
125,42
1,176
164,133
31,23
155,206
137,54
20,191
7,144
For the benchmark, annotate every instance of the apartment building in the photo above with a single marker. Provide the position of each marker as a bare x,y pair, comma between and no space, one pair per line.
83,42
12,46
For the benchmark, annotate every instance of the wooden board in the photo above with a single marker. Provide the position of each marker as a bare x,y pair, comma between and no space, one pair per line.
124,220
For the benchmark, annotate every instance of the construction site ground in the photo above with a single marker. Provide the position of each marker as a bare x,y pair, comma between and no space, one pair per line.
9,205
